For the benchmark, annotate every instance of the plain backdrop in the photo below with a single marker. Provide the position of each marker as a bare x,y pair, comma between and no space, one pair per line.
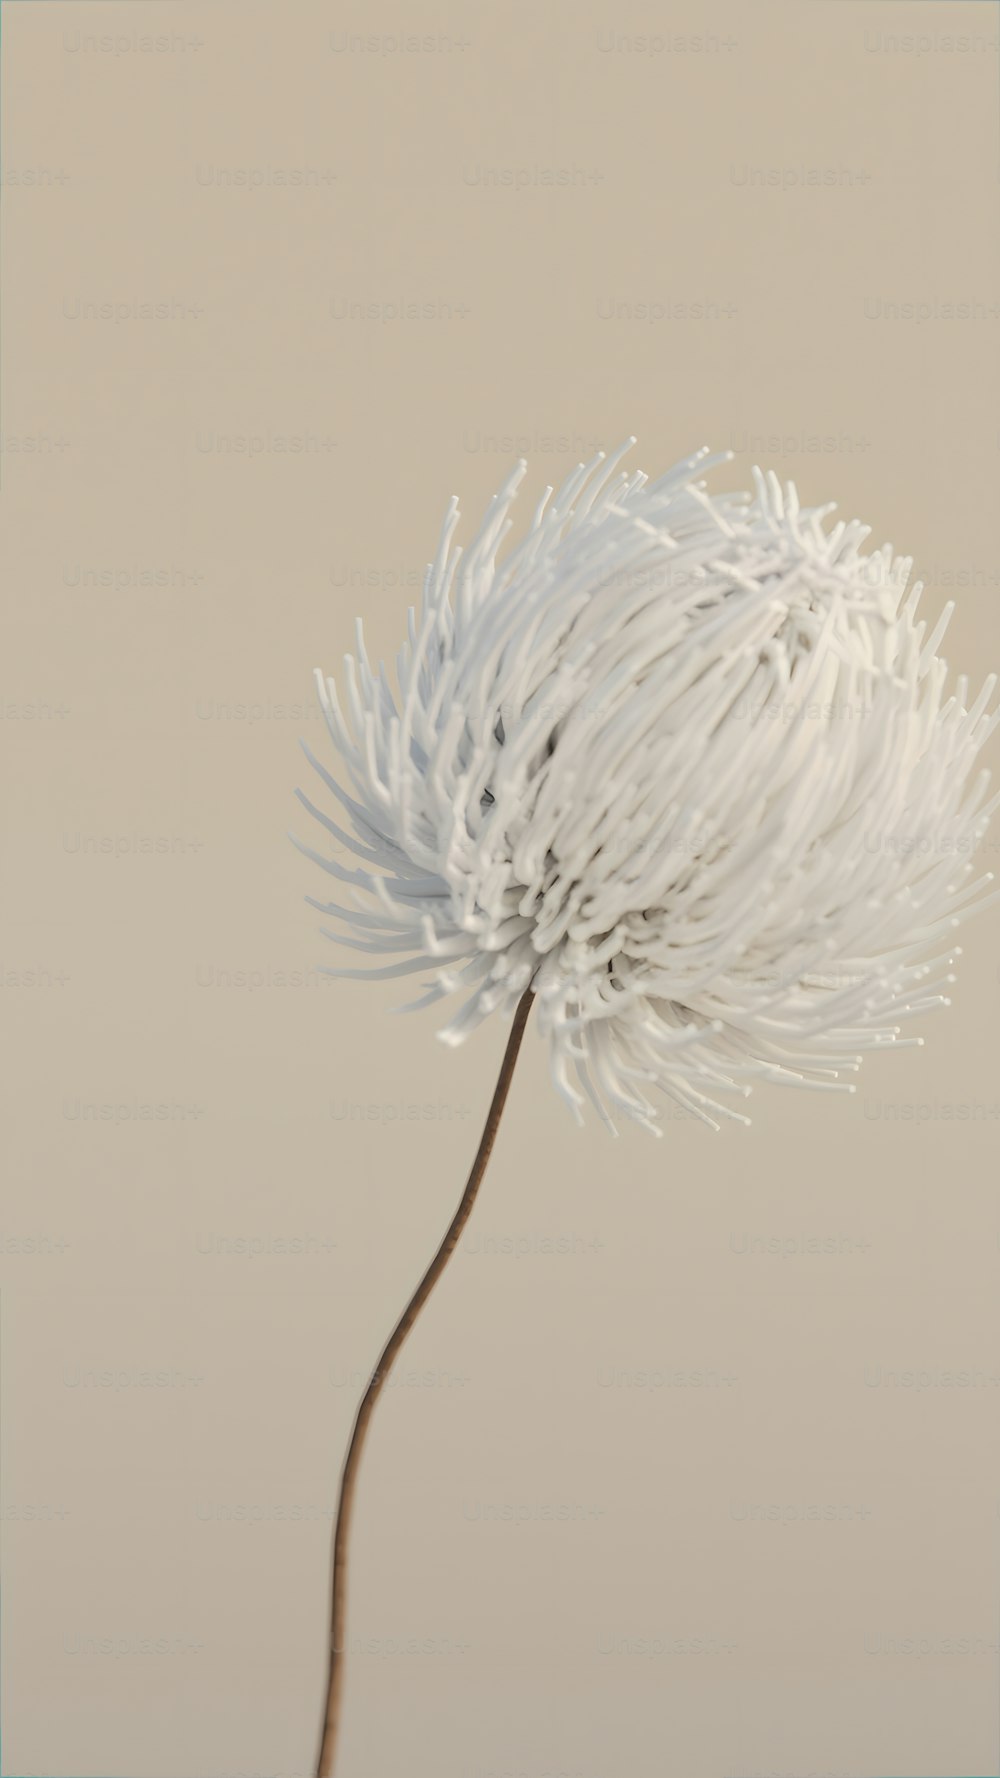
691,1467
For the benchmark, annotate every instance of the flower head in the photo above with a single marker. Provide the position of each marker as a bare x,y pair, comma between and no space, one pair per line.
685,766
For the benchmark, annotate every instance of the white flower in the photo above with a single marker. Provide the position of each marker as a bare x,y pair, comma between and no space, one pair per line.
682,764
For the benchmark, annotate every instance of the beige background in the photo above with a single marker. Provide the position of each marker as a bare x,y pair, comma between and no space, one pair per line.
791,1566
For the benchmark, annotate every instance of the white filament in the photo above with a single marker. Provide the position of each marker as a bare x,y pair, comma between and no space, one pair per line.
682,764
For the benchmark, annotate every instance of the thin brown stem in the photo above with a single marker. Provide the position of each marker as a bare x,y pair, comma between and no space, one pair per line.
348,1480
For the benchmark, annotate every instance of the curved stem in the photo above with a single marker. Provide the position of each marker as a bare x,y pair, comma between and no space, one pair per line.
390,1352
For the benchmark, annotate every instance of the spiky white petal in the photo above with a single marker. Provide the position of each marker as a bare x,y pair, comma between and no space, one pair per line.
682,764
